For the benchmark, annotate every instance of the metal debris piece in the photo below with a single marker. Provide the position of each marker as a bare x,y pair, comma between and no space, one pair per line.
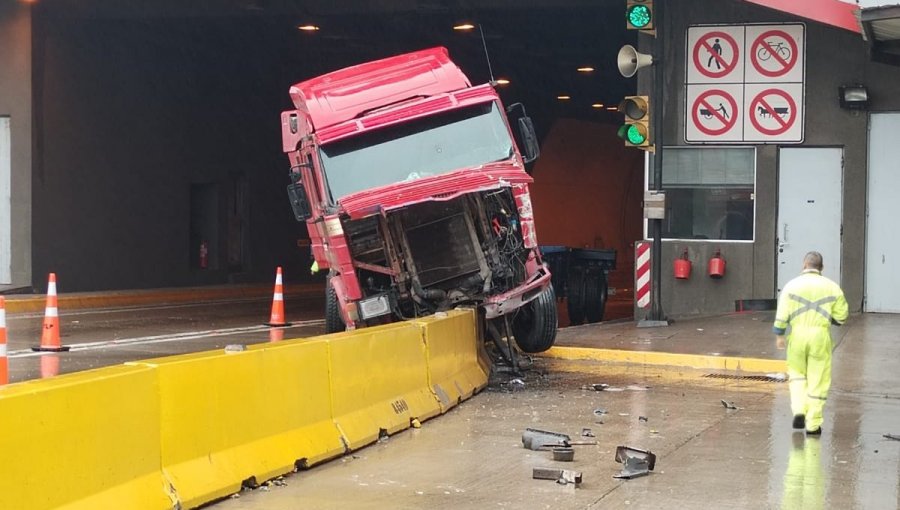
564,454
599,411
892,436
235,348
517,382
636,462
728,405
633,468
561,476
586,432
535,439
642,419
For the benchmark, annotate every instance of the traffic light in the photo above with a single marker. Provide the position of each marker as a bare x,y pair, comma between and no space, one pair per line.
639,15
636,130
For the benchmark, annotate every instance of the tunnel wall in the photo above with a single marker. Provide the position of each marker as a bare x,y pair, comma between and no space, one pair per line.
15,103
155,136
587,192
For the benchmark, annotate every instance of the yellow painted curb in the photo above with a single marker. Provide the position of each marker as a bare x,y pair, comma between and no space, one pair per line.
700,361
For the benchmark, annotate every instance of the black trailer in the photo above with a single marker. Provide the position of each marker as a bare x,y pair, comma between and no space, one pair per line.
580,276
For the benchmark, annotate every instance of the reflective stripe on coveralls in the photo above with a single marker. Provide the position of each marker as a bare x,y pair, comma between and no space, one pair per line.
809,303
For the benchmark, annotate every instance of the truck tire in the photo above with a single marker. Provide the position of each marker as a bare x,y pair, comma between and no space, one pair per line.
535,324
575,299
334,323
596,291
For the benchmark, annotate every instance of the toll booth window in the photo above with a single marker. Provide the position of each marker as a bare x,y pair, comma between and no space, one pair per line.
709,193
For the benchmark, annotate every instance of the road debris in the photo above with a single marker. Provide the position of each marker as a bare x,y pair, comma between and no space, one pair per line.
635,462
560,476
599,412
535,439
230,348
517,382
895,437
586,432
642,419
728,405
565,454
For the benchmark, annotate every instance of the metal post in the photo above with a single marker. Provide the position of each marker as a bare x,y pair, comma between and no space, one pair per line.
657,96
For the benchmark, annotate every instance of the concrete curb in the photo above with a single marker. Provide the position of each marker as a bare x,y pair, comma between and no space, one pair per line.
699,361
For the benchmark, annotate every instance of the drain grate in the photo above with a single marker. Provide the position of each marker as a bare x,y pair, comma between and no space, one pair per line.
764,378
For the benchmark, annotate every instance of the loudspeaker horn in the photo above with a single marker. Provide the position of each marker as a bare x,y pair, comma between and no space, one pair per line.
630,60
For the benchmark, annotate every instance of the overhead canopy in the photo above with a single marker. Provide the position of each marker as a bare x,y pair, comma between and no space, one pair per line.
830,12
881,29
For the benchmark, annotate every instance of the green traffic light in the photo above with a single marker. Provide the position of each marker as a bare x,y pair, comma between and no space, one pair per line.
639,16
634,136
632,133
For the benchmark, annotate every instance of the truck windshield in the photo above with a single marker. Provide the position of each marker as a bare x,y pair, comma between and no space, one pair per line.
424,147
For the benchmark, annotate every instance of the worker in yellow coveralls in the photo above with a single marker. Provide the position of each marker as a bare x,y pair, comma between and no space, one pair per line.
809,304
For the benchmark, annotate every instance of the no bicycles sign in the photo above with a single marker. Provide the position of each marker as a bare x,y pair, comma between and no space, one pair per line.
745,83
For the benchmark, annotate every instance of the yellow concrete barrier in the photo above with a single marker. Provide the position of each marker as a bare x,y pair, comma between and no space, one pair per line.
379,381
227,418
82,441
187,430
455,369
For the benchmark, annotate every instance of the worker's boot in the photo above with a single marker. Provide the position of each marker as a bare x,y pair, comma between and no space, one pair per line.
799,421
817,432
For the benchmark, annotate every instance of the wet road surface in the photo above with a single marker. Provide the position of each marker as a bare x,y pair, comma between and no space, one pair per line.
708,456
102,337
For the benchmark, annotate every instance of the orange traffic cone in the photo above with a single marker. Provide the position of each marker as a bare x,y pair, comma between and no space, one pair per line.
4,362
50,335
276,319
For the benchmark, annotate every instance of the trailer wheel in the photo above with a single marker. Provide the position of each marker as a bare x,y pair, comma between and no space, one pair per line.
596,291
535,324
575,295
334,323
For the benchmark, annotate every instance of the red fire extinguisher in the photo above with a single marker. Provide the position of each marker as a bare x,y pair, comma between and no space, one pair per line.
682,266
204,254
716,267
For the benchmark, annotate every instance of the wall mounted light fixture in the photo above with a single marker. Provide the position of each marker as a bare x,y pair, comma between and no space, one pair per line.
853,97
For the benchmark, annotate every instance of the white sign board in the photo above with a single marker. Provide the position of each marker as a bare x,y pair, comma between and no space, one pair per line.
745,83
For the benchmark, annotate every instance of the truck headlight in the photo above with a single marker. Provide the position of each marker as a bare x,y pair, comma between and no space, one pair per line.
375,306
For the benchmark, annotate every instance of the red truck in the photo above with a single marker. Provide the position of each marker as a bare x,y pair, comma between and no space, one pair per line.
415,194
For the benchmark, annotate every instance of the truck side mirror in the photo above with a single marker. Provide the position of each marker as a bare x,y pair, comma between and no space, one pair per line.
299,201
525,136
531,149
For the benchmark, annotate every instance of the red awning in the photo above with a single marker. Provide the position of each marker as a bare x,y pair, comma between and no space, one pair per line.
830,12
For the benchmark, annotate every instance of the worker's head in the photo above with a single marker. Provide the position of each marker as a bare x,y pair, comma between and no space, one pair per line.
813,260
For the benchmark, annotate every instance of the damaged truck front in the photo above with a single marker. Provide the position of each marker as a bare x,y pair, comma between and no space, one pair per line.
415,195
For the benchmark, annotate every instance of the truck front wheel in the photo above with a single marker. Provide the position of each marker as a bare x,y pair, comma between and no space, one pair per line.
535,324
334,323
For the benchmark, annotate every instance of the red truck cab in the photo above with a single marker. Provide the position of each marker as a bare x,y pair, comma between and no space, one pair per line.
415,195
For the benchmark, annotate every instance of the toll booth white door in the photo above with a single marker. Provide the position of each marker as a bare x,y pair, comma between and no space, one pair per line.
5,204
882,239
809,210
